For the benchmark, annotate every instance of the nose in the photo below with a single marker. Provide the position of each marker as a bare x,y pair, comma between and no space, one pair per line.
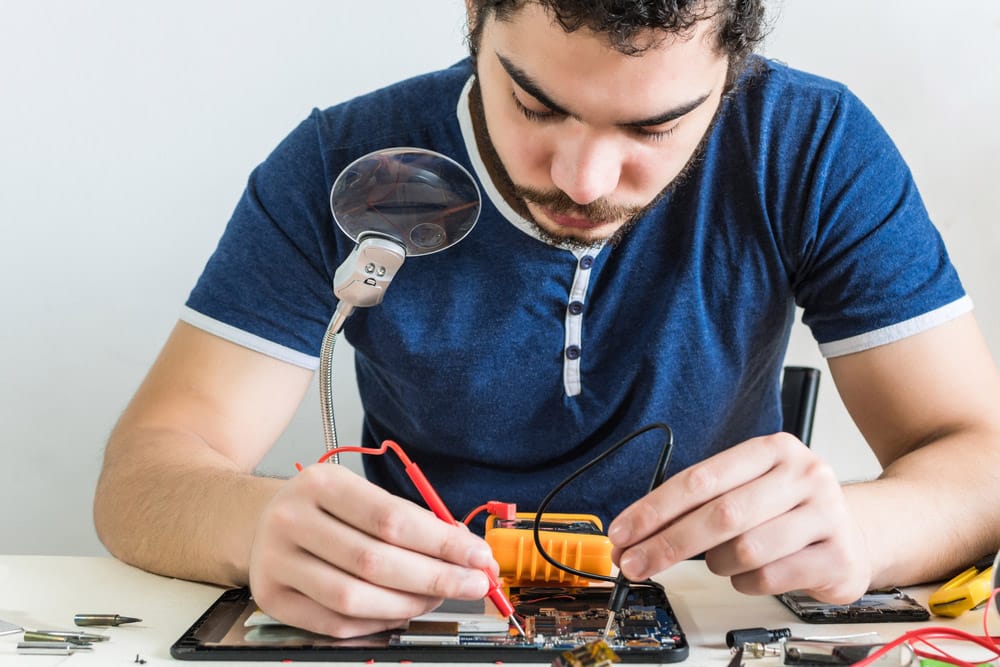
585,165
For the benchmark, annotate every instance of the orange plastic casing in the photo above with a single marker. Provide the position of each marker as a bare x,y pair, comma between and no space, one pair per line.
521,564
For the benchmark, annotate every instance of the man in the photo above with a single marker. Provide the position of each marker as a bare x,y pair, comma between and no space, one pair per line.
656,202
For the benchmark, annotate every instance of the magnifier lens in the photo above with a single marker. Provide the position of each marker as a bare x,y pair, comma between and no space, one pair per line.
423,200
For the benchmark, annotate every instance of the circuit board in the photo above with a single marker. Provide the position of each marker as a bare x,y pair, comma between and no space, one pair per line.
554,620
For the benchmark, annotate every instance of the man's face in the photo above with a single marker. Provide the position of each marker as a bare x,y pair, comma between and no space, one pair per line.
590,136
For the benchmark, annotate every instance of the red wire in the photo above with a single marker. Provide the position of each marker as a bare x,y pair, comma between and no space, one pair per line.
472,515
924,635
564,596
386,446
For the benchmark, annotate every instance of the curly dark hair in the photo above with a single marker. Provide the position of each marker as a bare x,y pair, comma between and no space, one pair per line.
741,24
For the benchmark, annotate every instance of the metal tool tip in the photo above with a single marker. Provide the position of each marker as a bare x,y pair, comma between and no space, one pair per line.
607,628
517,625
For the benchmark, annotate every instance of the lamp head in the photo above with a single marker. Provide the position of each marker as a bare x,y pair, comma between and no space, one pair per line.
396,203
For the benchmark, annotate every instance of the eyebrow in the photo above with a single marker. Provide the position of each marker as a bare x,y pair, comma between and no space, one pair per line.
524,80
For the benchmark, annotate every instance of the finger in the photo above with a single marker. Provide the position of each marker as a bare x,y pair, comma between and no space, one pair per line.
348,596
824,570
695,486
293,608
782,488
821,514
394,520
771,541
387,565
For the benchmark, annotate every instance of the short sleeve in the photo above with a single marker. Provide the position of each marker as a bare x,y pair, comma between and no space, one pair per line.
267,286
870,266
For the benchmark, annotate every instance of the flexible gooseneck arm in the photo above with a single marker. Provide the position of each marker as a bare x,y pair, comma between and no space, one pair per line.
360,281
394,203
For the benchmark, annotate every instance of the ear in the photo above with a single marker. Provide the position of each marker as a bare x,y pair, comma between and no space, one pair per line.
473,14
470,13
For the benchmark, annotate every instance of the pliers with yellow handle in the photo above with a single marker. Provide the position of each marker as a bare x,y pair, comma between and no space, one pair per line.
963,592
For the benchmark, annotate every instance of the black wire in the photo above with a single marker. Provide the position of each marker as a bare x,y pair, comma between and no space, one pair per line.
658,476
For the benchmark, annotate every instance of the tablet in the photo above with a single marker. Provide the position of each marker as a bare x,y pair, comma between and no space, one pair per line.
555,620
887,605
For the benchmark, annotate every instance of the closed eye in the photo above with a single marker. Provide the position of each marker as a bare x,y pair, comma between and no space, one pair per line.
537,116
549,115
653,135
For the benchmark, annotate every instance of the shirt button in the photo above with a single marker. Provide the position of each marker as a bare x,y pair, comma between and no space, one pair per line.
575,307
573,352
586,262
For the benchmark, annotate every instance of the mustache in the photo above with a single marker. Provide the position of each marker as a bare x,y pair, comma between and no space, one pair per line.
598,211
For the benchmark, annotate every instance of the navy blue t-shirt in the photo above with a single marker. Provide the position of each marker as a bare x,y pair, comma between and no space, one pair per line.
505,363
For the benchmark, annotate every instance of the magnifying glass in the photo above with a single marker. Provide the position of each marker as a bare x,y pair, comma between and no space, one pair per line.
394,203
420,199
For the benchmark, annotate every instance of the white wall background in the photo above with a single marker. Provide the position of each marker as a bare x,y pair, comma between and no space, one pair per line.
127,130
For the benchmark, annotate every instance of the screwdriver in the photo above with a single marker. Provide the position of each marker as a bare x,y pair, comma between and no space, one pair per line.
437,506
86,620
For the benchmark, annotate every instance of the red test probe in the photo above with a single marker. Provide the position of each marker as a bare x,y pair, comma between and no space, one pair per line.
437,506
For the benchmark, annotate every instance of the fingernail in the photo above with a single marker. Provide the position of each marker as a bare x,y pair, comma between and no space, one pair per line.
633,565
474,585
619,533
480,556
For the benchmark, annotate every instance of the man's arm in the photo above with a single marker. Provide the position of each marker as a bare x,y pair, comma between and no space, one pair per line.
929,406
177,495
770,514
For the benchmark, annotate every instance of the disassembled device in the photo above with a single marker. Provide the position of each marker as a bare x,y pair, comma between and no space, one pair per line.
556,619
881,606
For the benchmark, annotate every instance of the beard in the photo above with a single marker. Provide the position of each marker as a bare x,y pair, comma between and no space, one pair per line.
600,211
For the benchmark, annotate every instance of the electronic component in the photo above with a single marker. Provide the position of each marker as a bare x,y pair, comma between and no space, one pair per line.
594,654
881,606
576,540
737,638
830,652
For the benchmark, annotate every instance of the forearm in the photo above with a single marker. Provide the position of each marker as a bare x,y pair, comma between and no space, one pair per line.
932,511
168,503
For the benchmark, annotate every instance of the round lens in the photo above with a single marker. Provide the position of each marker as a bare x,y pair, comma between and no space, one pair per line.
423,200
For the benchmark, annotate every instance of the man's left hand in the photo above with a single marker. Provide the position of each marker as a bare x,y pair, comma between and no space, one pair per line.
768,513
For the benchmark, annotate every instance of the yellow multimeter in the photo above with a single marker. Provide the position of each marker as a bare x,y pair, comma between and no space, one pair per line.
575,540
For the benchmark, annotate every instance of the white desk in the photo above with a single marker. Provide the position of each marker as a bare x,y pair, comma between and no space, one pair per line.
44,592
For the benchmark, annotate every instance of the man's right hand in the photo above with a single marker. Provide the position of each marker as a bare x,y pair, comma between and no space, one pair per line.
337,555
326,550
